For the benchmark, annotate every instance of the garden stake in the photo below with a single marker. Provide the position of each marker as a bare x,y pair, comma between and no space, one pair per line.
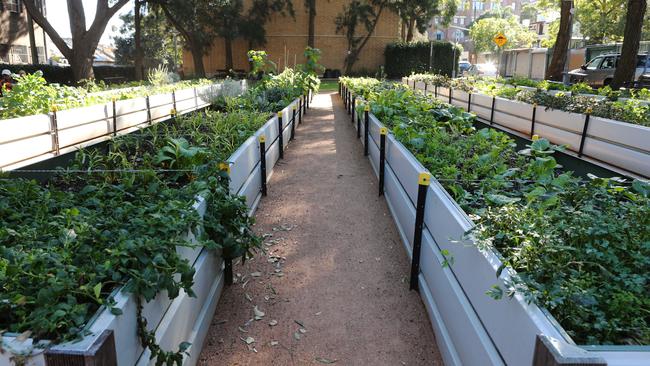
54,131
148,109
280,137
349,109
584,132
469,101
532,121
435,91
228,271
354,103
172,114
423,185
382,158
425,88
262,140
300,111
451,90
494,99
293,123
366,115
114,119
174,99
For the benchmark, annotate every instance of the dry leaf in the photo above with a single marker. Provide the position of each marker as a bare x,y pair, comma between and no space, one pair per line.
302,330
300,323
325,360
258,313
256,274
274,343
248,297
296,336
248,340
273,322
242,330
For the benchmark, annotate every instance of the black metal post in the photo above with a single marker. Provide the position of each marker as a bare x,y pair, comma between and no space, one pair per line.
293,122
358,127
584,132
228,271
366,133
469,102
114,118
451,91
425,87
280,137
300,111
532,121
262,140
423,185
435,91
382,158
174,99
354,101
494,99
148,110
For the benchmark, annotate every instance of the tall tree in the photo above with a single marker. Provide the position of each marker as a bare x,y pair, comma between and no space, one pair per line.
84,39
601,20
483,32
310,7
416,14
193,20
358,13
626,68
556,67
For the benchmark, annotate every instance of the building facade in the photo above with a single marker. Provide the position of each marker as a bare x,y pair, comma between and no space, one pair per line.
287,38
16,42
468,11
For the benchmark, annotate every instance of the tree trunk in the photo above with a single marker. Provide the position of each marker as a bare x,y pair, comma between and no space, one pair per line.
81,64
409,32
228,47
556,67
32,40
197,58
139,54
354,53
626,68
312,23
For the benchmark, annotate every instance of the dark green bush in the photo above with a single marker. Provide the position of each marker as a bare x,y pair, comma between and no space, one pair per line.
63,74
402,59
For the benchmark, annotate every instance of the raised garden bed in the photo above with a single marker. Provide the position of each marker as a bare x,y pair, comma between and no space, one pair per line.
618,144
456,272
112,332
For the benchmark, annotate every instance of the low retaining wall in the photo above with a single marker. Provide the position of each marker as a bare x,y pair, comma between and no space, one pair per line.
184,318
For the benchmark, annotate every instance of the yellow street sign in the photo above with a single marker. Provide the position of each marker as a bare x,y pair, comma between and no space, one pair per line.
500,39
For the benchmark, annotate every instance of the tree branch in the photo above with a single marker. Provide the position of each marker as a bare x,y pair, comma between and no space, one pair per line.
38,17
77,19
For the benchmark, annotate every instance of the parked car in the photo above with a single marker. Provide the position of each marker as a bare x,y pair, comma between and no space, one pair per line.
464,66
599,71
486,69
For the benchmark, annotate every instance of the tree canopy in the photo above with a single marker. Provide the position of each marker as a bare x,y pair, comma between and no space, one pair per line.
417,14
483,32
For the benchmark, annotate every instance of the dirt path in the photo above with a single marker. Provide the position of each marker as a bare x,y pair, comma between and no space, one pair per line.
340,288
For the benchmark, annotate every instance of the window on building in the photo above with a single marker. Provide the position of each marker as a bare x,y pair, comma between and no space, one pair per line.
478,5
459,35
41,55
440,35
462,20
455,20
19,54
13,6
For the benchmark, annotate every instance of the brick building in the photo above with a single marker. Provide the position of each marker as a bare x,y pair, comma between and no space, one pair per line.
15,43
287,38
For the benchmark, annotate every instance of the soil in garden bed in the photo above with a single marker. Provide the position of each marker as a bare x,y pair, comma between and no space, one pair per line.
333,285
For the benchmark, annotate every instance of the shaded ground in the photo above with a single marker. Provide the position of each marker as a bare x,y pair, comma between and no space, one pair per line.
333,285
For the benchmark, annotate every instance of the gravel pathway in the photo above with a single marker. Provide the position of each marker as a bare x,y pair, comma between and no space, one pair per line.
333,286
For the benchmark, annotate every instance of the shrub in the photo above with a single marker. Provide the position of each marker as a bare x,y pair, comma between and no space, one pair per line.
63,74
403,59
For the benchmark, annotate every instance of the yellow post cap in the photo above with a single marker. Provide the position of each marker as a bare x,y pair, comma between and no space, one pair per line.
280,114
294,107
367,108
535,137
262,138
424,179
383,131
54,108
172,112
224,167
588,111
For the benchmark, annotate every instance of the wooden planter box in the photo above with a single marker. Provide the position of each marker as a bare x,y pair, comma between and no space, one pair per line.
472,328
623,146
184,318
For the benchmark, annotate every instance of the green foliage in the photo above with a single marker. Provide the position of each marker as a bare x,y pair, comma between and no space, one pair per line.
32,95
403,59
63,74
580,247
260,63
418,13
483,32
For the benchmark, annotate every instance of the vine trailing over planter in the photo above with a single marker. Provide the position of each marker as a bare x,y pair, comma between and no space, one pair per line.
115,220
580,247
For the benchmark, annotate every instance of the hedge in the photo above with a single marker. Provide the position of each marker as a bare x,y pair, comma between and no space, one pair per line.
63,74
402,59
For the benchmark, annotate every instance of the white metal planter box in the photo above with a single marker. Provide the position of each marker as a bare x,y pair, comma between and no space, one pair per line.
471,328
618,144
184,318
